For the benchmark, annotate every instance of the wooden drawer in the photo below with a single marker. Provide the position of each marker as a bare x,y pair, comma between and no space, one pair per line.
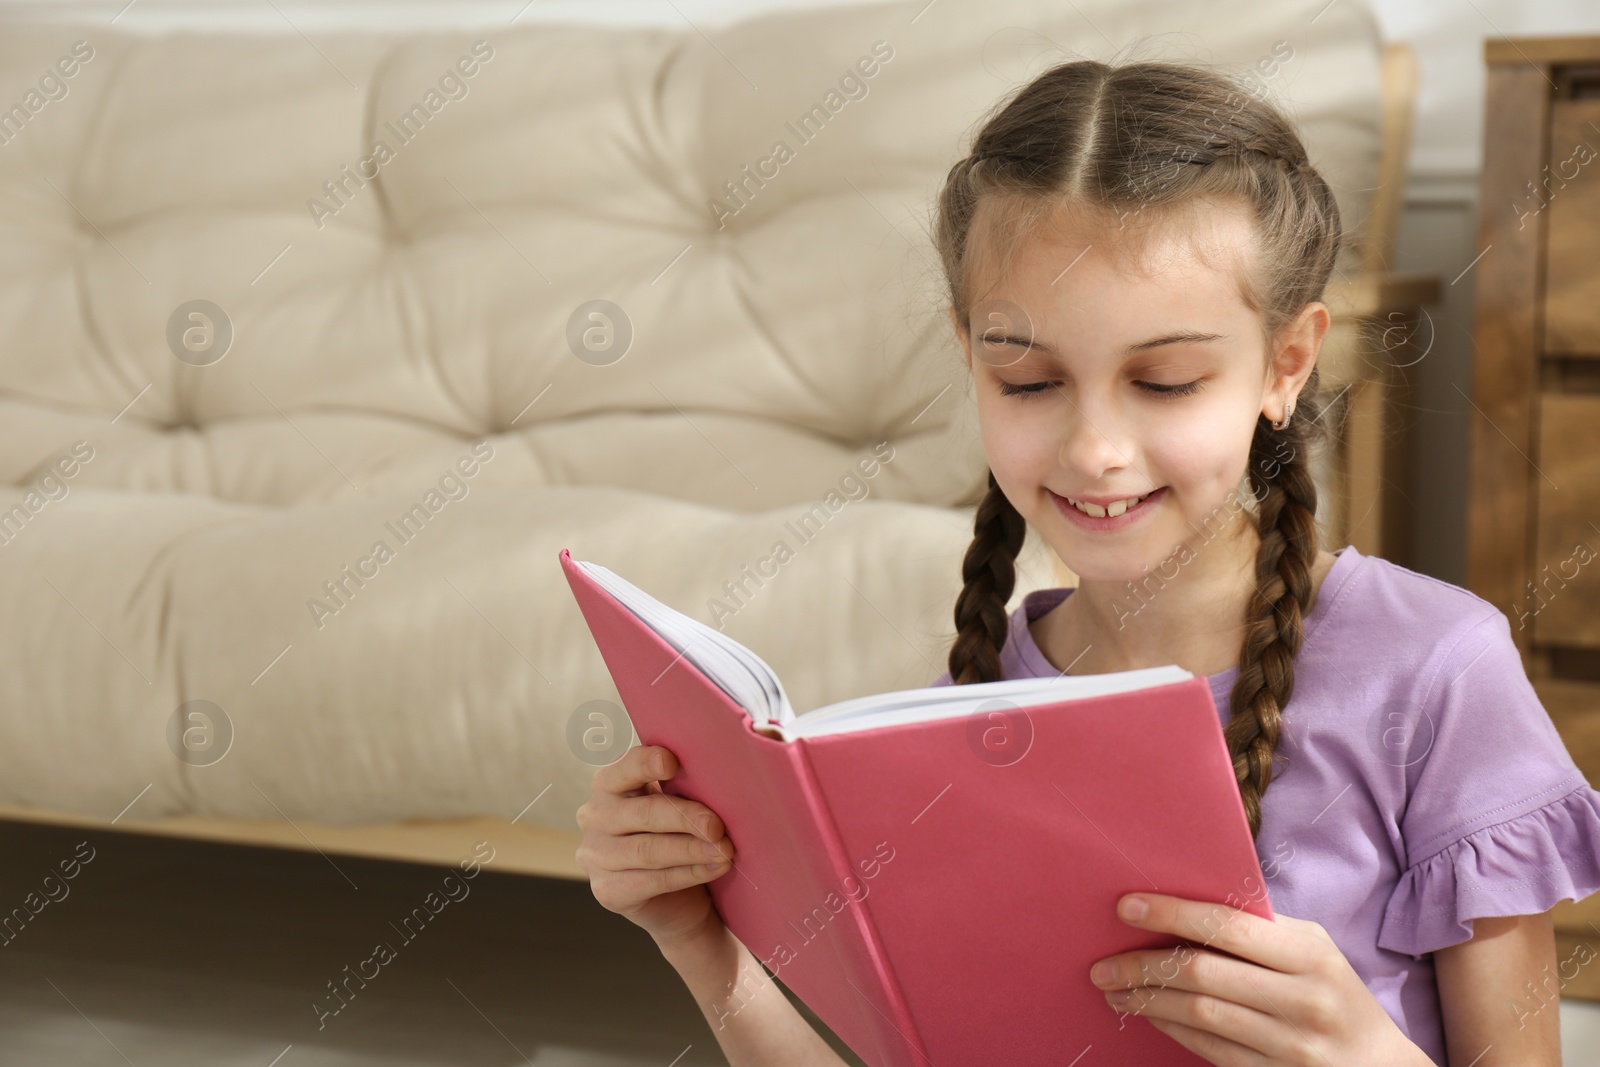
1570,188
1563,605
1574,707
1576,942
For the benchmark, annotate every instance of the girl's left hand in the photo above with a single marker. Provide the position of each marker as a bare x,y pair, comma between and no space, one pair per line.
1291,997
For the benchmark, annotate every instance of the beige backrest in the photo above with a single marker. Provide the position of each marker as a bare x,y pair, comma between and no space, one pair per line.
377,324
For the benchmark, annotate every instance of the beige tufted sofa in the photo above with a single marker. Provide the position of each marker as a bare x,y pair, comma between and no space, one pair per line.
296,428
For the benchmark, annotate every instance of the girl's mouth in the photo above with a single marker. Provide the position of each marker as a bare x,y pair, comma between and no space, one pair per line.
1119,515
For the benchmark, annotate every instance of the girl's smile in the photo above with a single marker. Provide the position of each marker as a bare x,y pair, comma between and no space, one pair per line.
1114,514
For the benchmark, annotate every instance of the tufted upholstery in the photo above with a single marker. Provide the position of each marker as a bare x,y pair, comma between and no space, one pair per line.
400,370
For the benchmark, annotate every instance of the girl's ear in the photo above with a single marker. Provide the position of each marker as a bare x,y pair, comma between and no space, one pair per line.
1298,344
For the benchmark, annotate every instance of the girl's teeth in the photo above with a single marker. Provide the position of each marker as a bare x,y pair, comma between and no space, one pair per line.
1110,511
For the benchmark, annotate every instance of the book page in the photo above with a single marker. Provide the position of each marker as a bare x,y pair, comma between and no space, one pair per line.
751,683
949,701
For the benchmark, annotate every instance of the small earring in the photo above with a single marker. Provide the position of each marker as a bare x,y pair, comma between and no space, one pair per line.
1288,411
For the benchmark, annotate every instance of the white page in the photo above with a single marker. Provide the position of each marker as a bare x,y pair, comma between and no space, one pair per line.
740,673
751,683
949,701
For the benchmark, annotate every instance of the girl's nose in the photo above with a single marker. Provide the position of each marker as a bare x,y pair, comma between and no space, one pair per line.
1092,443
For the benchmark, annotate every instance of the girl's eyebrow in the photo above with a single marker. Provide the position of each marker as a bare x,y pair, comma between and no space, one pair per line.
1182,337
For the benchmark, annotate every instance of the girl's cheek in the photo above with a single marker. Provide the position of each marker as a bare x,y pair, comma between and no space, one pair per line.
1019,433
1194,464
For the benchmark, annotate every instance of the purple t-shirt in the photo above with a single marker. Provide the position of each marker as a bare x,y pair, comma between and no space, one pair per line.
1422,784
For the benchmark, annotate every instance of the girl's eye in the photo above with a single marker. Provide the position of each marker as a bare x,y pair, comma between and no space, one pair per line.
1029,389
1036,388
1172,390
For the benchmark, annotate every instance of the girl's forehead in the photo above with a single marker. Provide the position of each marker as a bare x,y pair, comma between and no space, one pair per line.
1013,243
1055,258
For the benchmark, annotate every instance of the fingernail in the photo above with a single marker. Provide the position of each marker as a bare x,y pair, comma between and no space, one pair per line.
710,848
1100,973
1135,908
703,826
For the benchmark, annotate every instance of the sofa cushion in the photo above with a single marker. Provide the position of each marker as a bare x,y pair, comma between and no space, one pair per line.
382,326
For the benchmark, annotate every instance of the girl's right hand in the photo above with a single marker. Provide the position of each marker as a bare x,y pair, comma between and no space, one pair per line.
644,850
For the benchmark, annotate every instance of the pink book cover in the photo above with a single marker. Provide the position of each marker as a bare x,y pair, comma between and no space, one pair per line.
935,898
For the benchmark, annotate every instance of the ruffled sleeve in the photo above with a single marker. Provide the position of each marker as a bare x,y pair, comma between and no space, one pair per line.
1518,867
1499,820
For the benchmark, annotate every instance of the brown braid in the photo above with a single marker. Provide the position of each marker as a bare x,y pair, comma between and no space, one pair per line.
990,574
1286,495
1142,141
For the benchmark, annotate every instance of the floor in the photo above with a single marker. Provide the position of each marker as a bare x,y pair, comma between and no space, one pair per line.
181,953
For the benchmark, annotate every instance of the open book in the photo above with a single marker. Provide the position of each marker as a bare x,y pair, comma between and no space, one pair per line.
934,897
753,685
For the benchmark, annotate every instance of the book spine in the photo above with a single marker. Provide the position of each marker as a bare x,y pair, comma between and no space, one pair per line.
883,979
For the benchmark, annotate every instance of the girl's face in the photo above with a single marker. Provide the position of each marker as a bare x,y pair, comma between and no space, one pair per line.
1102,377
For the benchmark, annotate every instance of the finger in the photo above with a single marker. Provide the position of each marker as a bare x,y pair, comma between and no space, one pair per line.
676,814
634,769
656,851
1199,971
1220,1030
660,813
645,885
1210,1047
1219,926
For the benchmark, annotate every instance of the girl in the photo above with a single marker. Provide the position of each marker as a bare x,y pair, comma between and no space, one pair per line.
1136,257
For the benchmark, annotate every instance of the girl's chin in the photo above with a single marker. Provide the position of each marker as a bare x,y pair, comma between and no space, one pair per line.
1100,572
1130,558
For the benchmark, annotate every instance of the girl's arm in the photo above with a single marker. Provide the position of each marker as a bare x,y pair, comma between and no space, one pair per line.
1490,1015
753,1021
648,856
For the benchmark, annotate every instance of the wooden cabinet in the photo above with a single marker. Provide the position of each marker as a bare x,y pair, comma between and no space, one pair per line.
1571,188
1534,517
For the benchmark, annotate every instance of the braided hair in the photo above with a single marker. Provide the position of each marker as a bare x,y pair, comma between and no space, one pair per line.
1154,137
